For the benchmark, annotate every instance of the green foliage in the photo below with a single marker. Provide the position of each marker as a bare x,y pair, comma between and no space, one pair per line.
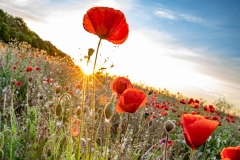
15,28
30,128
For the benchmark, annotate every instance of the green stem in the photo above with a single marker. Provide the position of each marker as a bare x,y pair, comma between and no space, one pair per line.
126,127
165,149
96,55
106,148
93,99
191,154
204,150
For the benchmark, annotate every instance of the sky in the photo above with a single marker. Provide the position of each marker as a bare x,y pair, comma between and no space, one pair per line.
186,46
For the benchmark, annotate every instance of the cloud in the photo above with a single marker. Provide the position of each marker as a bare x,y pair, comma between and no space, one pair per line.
164,14
176,15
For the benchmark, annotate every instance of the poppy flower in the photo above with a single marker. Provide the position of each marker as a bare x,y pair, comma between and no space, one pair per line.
29,69
37,68
182,101
230,153
163,142
120,84
130,100
74,130
20,56
197,129
18,83
107,23
48,80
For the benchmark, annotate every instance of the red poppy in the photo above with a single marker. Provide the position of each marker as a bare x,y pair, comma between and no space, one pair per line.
215,118
231,153
48,80
182,101
20,56
78,86
37,68
163,142
130,100
14,67
29,69
106,23
120,84
197,129
18,83
207,117
190,101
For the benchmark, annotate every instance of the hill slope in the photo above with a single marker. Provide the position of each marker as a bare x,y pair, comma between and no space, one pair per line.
15,28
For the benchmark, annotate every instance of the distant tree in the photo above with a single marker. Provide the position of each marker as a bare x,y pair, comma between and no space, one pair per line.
3,16
223,106
4,31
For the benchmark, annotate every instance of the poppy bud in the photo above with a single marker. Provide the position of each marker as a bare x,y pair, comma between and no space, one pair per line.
51,105
13,81
150,92
49,152
30,79
90,52
169,126
44,157
85,109
146,115
58,110
67,88
109,110
78,111
58,89
65,119
41,97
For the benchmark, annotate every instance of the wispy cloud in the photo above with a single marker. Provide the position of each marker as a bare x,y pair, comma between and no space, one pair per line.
191,18
176,15
165,14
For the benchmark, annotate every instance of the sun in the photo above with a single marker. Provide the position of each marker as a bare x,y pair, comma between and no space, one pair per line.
88,70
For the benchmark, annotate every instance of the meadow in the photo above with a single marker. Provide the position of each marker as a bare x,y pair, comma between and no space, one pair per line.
50,109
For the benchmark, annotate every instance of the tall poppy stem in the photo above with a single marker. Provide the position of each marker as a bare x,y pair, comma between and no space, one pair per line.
204,150
96,55
93,99
191,154
165,149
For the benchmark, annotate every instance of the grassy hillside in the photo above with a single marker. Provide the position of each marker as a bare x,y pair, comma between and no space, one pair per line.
48,112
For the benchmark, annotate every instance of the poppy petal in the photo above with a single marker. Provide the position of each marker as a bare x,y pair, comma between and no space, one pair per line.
197,129
106,23
119,109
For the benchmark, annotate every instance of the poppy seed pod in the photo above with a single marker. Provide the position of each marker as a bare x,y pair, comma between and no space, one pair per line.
58,110
169,126
109,110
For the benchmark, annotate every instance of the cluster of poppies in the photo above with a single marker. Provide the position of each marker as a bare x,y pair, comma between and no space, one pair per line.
110,24
129,98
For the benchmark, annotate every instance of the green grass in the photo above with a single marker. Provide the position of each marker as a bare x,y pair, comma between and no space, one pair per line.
37,119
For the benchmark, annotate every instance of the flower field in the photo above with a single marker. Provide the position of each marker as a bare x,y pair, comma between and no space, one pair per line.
50,109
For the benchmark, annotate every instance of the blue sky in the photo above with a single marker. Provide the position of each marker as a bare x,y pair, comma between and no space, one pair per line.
186,46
